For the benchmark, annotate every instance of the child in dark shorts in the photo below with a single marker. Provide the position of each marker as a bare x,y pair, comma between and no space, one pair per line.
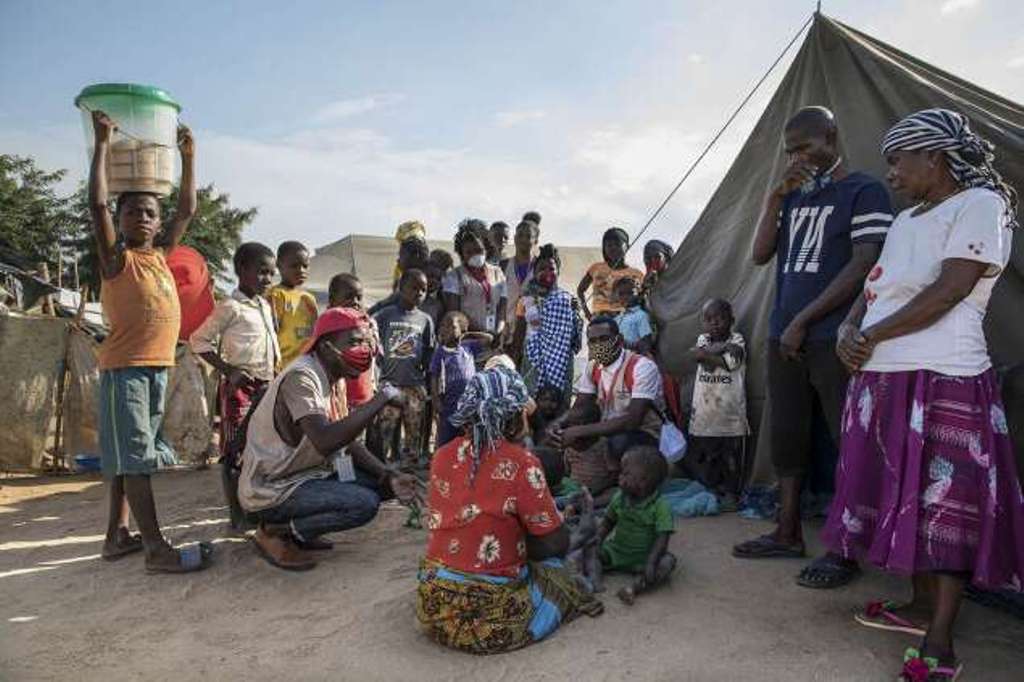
633,536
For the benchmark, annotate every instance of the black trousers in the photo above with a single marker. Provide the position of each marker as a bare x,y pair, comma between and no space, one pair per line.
793,387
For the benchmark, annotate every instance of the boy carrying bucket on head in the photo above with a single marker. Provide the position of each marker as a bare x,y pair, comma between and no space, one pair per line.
239,341
141,305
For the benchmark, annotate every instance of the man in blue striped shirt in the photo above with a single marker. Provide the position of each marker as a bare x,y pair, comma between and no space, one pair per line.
825,225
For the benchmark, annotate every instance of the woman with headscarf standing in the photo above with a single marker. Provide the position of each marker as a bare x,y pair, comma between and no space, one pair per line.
548,329
492,579
476,287
927,484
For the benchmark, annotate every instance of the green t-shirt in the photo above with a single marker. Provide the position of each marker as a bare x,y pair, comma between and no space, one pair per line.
566,487
637,525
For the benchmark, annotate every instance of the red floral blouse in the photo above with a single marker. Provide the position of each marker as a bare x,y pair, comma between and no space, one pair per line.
481,526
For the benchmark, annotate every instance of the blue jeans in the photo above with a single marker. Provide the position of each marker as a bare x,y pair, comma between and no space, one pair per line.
326,505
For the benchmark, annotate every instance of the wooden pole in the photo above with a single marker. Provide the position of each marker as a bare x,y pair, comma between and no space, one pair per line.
44,274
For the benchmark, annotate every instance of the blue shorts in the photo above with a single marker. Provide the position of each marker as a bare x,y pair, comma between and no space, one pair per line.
131,409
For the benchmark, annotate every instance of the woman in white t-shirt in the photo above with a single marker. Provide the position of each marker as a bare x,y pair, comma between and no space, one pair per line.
927,484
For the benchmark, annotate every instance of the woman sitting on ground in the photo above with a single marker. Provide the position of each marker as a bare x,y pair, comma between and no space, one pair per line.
927,484
493,578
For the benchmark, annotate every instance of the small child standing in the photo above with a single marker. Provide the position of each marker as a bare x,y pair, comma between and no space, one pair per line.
603,275
634,321
295,310
718,421
407,343
239,341
635,531
451,368
346,291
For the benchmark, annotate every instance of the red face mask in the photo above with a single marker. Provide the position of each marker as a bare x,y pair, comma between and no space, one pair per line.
656,265
357,357
547,279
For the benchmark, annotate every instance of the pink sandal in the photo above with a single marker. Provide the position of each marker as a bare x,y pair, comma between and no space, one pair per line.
926,669
881,616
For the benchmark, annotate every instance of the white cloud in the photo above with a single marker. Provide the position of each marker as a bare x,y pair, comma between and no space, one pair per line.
347,108
508,119
951,6
695,58
1016,62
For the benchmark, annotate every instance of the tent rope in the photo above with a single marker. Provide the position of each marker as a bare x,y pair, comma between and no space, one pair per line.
719,134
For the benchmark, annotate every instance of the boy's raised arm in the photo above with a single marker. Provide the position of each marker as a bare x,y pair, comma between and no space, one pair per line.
187,201
102,221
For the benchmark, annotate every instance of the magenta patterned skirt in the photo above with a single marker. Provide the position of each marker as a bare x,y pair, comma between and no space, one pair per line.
927,479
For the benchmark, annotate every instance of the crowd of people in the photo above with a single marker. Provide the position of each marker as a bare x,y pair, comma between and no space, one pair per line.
458,395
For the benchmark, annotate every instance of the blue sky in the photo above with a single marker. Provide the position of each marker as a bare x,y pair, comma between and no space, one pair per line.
342,117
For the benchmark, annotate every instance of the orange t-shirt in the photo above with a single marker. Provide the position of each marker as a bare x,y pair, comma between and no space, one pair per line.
141,306
603,280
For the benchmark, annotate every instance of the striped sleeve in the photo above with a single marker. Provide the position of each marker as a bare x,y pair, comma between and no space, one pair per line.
872,214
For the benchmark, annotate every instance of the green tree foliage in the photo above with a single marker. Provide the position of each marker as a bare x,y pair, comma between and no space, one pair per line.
215,230
34,218
36,221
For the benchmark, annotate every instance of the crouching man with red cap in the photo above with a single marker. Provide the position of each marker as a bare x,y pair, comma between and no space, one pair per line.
304,473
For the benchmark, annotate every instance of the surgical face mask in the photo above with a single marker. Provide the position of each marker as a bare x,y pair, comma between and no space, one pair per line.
357,357
476,261
604,351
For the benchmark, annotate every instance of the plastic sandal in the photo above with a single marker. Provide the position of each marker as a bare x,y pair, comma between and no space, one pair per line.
926,669
767,547
827,573
880,616
191,558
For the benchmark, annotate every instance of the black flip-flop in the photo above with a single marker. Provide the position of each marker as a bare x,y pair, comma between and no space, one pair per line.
828,573
767,547
134,545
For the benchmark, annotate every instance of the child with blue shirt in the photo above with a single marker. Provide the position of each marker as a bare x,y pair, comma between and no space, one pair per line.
451,368
634,321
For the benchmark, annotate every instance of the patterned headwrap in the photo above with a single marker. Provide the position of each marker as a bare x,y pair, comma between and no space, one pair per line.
411,229
658,246
968,155
553,346
490,399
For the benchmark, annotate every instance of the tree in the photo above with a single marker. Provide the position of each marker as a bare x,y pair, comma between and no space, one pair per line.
215,231
37,224
34,218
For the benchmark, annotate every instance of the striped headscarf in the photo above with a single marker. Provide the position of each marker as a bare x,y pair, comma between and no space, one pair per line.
968,155
490,399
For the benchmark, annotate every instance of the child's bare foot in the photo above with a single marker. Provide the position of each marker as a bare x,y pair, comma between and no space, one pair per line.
627,595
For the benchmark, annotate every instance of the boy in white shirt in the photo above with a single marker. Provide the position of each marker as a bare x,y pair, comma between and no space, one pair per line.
718,421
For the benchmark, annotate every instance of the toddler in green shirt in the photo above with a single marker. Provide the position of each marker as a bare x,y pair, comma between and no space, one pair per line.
634,533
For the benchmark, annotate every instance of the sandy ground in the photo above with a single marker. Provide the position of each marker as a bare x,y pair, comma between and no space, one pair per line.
65,614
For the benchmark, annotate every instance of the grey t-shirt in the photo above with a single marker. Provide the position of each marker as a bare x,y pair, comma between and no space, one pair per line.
407,342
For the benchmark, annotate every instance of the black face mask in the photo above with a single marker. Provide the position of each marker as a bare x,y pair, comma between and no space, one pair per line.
605,351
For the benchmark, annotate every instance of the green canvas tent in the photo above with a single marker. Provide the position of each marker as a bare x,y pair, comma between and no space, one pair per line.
869,85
